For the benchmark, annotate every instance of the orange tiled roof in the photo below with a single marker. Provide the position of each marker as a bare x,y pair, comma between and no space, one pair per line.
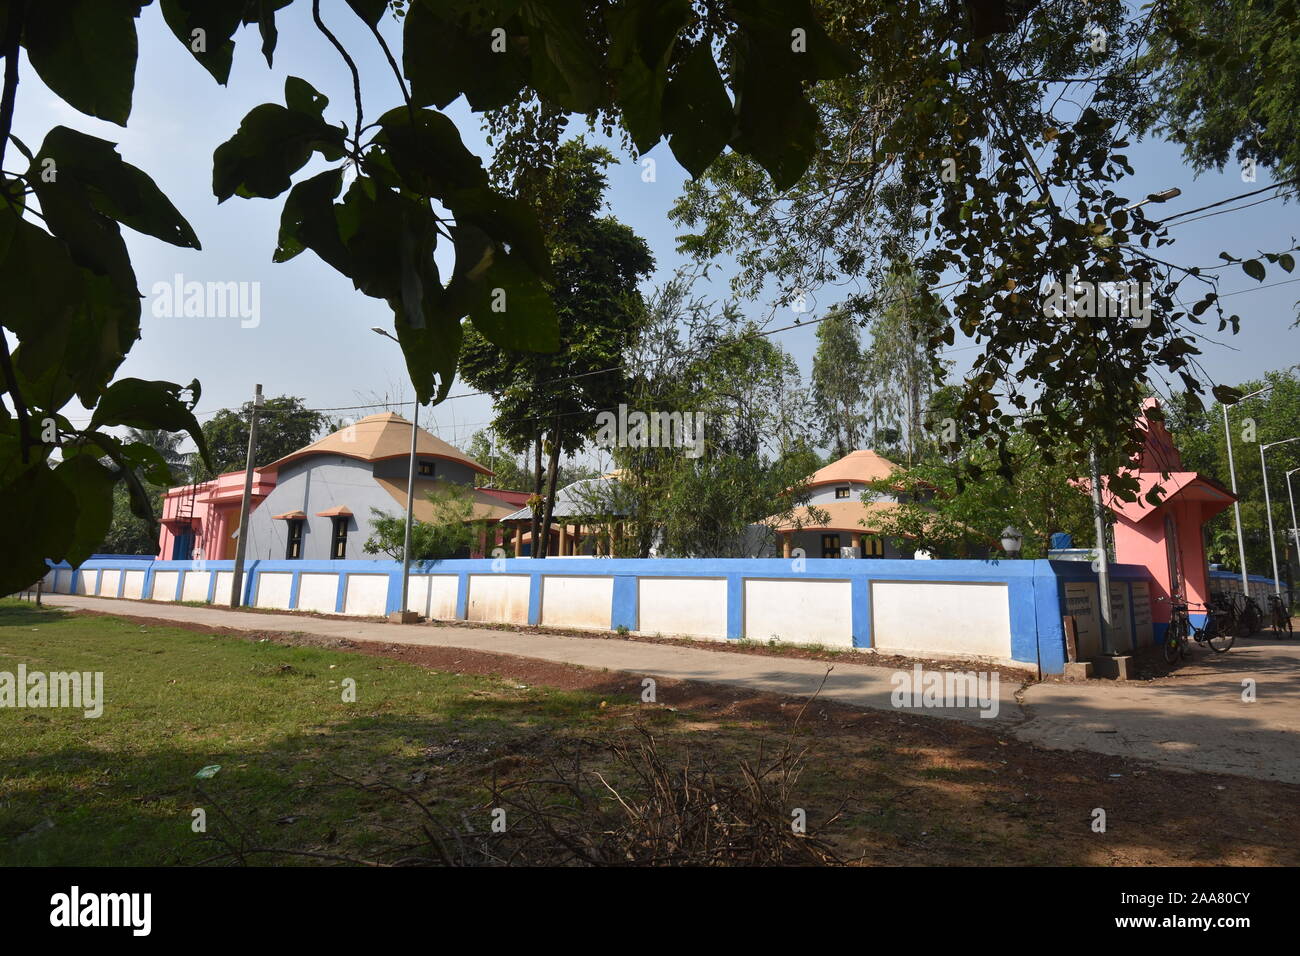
377,437
861,465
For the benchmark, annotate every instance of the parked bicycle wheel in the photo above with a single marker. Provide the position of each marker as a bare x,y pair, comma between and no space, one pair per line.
1222,641
1249,618
1175,638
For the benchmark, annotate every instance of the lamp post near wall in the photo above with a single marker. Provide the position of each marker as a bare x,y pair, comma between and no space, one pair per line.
1295,528
1011,541
401,615
1268,509
1236,502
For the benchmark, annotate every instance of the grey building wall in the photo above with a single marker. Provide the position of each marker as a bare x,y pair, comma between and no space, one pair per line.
442,470
825,493
314,484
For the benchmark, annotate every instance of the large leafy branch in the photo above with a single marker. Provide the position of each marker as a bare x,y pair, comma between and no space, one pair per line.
706,76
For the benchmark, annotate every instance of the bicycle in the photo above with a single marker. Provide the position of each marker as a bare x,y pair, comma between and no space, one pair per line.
1280,615
1248,618
1219,638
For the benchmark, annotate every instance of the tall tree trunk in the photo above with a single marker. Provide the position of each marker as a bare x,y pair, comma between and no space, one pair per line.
537,489
548,508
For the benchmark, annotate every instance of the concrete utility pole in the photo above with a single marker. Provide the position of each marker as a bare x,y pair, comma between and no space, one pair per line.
402,615
1103,559
241,547
410,511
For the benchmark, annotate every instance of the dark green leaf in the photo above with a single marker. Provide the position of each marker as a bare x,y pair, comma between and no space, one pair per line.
215,22
143,404
85,51
697,115
40,515
272,144
444,56
112,187
308,221
91,483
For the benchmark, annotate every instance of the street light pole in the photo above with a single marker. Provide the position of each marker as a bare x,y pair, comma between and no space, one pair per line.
1268,509
1295,528
1236,502
410,500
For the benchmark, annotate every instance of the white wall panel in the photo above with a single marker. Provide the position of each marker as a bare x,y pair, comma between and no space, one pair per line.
694,607
799,610
924,617
582,601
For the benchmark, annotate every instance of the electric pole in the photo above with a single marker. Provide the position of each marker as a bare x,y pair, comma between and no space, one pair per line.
241,548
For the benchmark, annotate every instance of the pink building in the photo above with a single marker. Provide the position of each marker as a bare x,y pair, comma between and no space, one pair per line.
1167,538
200,520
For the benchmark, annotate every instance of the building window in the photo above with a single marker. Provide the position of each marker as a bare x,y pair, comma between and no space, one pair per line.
293,551
842,492
339,538
872,546
426,469
830,546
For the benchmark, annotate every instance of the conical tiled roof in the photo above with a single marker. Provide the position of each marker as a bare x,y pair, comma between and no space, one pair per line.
377,437
861,465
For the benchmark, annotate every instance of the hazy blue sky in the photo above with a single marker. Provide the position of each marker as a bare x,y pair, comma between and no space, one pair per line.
314,337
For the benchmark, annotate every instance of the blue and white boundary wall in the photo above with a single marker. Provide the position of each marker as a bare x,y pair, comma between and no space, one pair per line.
1008,612
1230,582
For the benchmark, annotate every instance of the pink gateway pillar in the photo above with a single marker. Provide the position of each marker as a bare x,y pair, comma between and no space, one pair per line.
1167,538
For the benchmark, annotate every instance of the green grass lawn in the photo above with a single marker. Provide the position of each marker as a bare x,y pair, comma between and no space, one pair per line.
120,789
879,786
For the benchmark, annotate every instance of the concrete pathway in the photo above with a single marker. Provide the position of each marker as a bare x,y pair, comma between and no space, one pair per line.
1194,720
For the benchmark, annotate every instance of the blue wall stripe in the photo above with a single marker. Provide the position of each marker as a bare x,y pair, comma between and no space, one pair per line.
625,611
860,589
535,599
735,607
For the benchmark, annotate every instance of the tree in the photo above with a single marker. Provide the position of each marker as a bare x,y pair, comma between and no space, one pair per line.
896,367
958,508
839,384
450,533
550,401
73,304
284,424
1229,81
128,533
167,445
508,471
746,466
959,145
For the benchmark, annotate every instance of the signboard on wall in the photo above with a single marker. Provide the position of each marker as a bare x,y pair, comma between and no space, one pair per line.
1142,634
1081,604
1121,635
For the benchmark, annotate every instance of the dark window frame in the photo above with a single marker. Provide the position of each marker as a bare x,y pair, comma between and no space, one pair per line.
420,469
841,493
293,544
830,550
339,538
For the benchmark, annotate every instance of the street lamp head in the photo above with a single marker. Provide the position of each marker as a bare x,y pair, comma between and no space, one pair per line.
1165,195
1284,441
1011,540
